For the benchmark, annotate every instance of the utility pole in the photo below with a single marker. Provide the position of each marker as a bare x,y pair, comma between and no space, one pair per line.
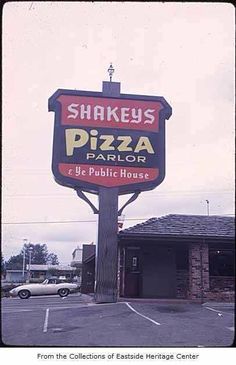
208,209
30,253
23,268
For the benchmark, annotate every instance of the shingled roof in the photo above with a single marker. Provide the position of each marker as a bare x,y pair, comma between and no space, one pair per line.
184,226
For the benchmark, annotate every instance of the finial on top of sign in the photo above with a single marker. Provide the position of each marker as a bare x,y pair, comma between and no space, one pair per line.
111,70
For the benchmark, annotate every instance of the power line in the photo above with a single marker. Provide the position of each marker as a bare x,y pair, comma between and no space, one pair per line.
144,196
51,222
88,221
62,222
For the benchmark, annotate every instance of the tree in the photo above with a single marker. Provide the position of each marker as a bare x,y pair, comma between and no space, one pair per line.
39,255
15,262
52,259
53,271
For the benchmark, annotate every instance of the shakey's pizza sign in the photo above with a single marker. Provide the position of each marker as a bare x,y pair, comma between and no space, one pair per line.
108,141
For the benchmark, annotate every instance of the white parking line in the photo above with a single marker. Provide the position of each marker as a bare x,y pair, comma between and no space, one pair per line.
218,311
45,327
16,310
149,319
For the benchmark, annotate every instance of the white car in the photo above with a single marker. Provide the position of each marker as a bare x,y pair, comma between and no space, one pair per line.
48,286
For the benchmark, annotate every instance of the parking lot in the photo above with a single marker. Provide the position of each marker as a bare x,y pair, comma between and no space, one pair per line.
77,321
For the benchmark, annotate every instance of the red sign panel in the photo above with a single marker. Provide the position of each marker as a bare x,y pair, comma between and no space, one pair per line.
108,141
110,113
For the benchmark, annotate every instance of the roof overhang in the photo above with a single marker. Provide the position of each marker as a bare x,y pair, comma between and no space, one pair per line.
185,238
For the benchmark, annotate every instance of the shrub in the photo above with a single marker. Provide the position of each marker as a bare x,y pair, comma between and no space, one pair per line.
7,287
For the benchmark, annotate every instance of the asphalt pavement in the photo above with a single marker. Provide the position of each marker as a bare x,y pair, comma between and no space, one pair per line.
76,321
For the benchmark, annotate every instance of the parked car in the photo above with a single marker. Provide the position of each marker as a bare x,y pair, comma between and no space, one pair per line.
47,287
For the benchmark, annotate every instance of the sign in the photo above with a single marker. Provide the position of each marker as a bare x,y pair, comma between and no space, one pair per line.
102,141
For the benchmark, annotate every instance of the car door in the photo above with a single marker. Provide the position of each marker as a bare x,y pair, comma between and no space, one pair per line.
51,287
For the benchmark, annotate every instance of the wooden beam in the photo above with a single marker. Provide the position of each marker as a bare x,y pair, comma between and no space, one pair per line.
107,247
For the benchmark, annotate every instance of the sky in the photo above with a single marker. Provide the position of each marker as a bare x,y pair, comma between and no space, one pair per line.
182,51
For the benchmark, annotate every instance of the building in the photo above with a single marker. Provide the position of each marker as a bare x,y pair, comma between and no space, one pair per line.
41,272
175,256
88,269
178,256
77,257
83,259
15,276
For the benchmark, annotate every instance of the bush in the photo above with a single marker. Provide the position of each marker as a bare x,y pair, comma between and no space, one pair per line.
7,287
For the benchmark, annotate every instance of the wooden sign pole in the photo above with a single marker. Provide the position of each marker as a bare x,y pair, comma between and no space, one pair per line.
107,245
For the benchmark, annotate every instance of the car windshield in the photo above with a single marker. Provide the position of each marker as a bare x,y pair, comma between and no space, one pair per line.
54,281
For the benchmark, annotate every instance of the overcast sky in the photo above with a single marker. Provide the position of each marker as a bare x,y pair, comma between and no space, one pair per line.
182,51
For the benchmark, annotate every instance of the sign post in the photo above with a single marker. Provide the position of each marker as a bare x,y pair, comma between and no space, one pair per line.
108,143
106,266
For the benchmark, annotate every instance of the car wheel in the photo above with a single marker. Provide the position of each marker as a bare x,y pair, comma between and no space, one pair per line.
24,294
63,292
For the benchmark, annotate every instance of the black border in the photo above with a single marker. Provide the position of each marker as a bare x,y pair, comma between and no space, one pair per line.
54,105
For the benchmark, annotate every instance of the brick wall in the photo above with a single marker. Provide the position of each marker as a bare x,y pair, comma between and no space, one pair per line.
182,283
198,271
222,288
201,285
222,282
